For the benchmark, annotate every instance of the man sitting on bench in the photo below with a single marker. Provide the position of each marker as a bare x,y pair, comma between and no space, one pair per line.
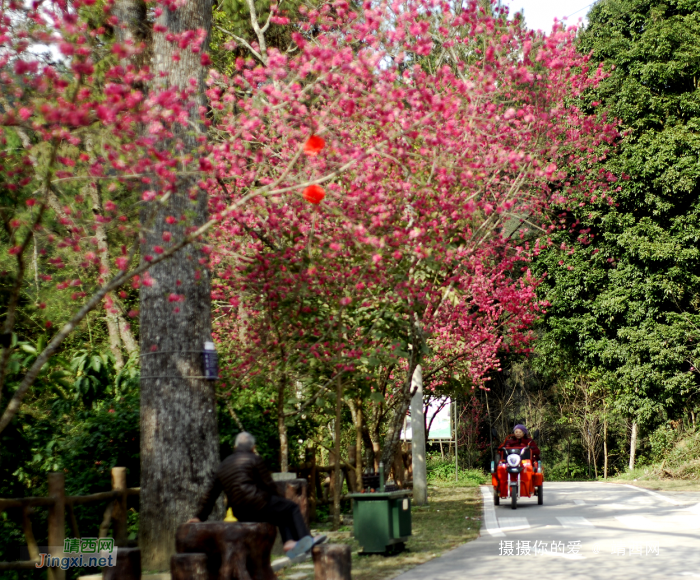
253,497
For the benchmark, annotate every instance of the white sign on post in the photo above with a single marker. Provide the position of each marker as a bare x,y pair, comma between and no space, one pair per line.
441,427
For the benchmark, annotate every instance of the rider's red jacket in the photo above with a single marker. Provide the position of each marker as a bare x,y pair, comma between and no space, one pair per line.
514,442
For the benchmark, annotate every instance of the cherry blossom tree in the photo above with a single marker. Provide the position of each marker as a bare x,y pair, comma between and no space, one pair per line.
368,193
438,169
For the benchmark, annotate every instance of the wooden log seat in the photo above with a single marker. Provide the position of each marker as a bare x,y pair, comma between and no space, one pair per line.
235,551
189,567
332,562
127,566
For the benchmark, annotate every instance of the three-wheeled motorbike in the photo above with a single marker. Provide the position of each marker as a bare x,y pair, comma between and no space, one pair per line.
516,476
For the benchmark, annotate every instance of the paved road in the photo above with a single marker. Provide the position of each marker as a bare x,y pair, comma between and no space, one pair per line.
583,530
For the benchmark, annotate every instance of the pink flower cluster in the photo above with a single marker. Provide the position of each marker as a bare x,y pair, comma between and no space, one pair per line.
435,176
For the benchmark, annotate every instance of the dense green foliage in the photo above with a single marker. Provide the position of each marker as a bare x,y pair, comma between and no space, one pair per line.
623,284
83,420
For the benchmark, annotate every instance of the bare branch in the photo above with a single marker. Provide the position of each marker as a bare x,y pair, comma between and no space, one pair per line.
243,42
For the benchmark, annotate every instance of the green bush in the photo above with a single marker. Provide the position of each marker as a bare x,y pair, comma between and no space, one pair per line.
662,440
443,470
560,471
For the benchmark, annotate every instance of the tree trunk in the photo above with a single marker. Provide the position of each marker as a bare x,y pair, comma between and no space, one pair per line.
336,448
595,465
605,448
357,419
281,426
403,401
376,452
134,28
588,457
633,444
115,343
350,473
179,438
125,333
420,478
369,447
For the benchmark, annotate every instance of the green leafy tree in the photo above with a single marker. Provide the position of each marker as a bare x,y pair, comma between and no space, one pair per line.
623,281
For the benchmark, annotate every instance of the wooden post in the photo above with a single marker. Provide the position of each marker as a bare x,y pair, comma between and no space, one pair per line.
633,444
57,521
331,562
127,566
119,510
29,534
106,520
73,521
189,567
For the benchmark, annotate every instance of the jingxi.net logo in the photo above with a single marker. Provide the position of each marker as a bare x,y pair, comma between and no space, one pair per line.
81,552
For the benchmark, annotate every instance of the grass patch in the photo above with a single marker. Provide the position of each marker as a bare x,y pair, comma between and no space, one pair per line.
678,471
452,517
666,484
652,477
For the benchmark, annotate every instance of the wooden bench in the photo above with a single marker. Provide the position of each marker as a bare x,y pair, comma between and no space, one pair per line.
234,551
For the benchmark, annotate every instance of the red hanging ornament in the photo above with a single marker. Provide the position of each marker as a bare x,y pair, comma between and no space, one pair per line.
314,194
314,145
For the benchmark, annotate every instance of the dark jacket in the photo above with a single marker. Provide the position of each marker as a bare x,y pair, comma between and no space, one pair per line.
246,482
514,443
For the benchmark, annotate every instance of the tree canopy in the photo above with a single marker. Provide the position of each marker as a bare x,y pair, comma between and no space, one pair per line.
624,289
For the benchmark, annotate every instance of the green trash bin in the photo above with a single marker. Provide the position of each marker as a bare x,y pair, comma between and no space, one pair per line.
381,520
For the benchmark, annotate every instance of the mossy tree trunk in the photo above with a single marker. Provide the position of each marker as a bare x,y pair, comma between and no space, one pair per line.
179,436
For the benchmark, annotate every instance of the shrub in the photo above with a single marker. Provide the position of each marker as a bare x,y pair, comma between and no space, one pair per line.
443,470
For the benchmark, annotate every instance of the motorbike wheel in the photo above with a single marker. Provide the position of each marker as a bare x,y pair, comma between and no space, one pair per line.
496,498
513,501
540,495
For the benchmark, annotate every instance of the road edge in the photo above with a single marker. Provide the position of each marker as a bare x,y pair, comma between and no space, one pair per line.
490,521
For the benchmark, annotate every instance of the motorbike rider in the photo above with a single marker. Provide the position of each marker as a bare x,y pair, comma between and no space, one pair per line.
521,438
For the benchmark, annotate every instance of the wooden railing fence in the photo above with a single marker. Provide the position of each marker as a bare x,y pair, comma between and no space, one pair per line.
58,503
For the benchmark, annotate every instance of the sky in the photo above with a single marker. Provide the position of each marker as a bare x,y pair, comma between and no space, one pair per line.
540,14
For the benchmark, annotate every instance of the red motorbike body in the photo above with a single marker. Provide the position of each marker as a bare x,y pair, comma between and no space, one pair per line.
522,480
